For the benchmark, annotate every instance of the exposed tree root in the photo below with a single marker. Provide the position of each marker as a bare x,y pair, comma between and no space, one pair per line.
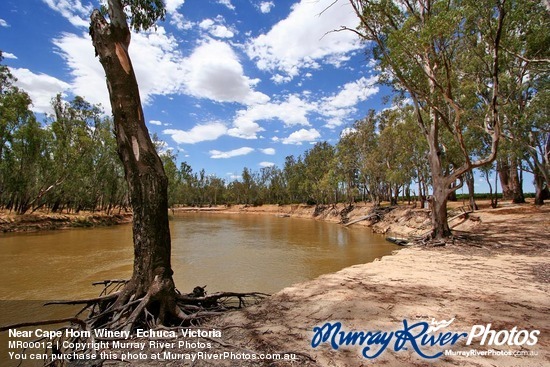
120,308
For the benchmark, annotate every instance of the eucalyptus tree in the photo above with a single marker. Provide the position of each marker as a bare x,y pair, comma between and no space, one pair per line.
400,149
78,151
526,100
271,185
318,184
25,163
14,113
370,159
347,164
151,280
216,190
14,106
445,55
294,175
168,159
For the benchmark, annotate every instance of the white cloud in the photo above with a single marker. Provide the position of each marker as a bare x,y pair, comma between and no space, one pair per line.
301,40
40,87
354,92
292,111
215,28
339,106
227,3
265,6
214,72
280,79
347,131
216,154
156,122
73,10
206,23
173,5
268,151
3,23
88,77
245,129
300,136
157,65
9,55
266,164
178,20
198,133
233,176
296,109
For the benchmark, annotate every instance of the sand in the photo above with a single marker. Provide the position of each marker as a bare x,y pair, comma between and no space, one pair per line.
497,272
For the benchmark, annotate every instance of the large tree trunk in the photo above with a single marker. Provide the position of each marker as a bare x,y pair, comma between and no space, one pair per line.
441,186
541,191
438,203
509,180
144,172
469,178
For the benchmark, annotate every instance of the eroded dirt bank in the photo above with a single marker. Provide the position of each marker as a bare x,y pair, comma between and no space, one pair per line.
497,272
48,221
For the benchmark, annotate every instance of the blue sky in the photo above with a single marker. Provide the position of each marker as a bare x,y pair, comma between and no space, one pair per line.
227,84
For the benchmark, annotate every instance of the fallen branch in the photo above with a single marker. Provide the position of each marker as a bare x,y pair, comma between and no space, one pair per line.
83,301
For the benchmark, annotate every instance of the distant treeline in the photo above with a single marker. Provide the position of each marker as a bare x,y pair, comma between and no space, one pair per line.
69,162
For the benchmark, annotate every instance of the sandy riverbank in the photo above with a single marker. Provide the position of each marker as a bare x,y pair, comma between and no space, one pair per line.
496,272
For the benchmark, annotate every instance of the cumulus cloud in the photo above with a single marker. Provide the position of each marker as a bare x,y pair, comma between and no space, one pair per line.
340,105
172,5
280,79
301,40
298,109
245,129
215,28
291,111
300,136
199,133
88,77
214,72
266,164
73,10
265,6
40,87
216,154
178,20
156,122
268,151
3,23
159,70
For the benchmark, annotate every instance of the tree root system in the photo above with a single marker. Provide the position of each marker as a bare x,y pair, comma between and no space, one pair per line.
118,310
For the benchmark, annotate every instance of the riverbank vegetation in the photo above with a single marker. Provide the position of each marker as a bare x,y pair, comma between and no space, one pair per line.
68,163
471,84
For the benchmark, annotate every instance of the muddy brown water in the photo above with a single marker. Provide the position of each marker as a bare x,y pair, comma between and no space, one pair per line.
225,252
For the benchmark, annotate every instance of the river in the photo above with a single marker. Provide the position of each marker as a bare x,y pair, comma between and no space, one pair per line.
225,252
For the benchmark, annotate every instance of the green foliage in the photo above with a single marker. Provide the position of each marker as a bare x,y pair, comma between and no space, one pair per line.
144,13
68,163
